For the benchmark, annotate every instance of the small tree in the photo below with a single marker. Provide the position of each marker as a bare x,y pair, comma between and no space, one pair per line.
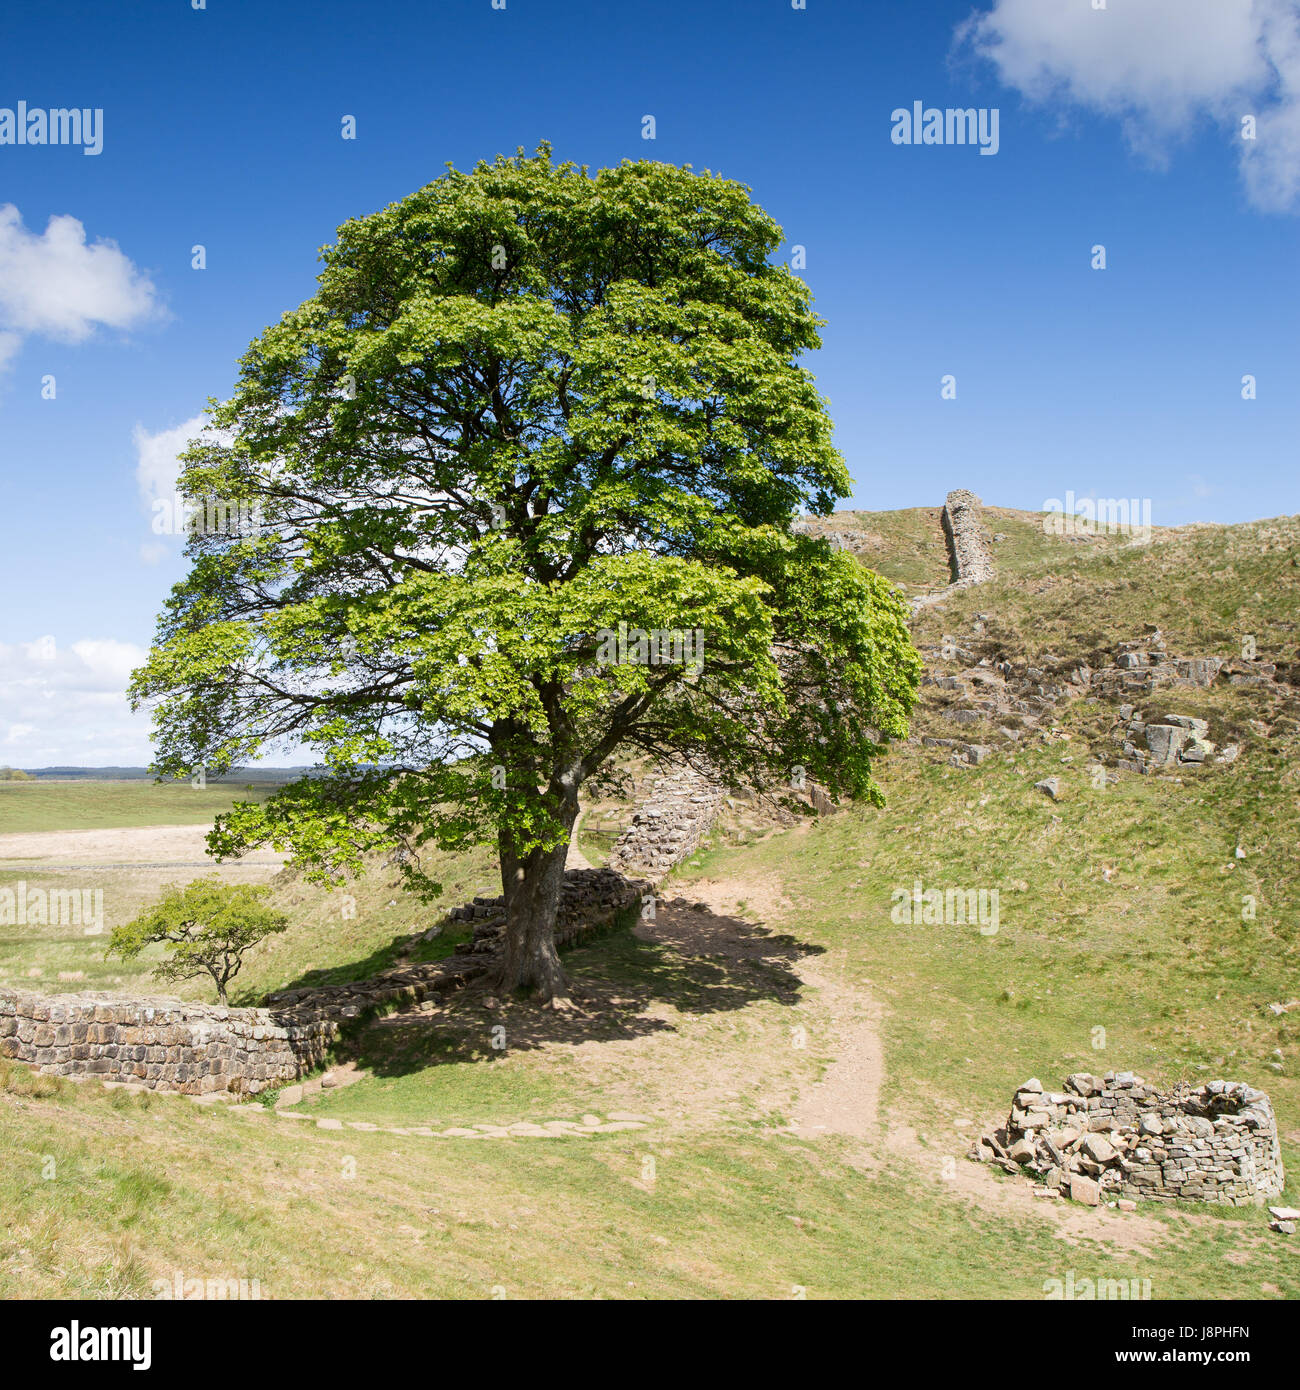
206,928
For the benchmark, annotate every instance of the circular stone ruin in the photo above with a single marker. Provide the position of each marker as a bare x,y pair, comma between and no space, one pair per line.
1117,1137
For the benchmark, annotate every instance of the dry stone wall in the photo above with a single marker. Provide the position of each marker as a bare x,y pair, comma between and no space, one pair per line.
970,552
675,812
170,1045
968,538
590,899
161,1043
1116,1136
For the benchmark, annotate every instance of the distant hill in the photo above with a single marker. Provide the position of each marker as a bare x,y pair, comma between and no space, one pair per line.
142,774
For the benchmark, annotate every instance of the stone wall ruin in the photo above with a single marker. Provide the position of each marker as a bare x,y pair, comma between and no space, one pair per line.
195,1049
1117,1137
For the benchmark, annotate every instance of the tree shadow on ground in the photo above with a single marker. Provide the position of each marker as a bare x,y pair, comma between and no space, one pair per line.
689,957
406,948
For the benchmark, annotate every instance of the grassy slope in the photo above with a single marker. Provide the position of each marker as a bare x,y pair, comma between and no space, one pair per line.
86,805
1156,955
908,546
321,946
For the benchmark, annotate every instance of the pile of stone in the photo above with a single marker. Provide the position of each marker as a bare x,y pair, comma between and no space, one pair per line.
1172,741
1116,1137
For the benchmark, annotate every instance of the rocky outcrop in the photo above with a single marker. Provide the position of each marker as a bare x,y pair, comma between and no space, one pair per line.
1172,741
1117,1137
1001,700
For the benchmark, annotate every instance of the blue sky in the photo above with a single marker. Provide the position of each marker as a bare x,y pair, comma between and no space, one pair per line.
221,127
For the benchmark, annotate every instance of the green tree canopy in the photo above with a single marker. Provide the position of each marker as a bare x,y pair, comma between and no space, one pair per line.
526,404
205,928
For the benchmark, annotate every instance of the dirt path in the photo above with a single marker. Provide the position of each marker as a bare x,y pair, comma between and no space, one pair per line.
845,1102
575,859
847,1098
168,846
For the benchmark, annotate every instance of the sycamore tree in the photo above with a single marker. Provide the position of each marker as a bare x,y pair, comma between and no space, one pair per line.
525,469
204,929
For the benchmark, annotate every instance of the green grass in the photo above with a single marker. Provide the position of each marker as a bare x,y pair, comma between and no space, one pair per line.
570,1219
1158,956
1121,944
368,924
909,546
87,805
1207,588
60,958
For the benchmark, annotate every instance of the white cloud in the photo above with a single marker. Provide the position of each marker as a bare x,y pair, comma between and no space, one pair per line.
157,472
56,285
156,457
1158,66
67,704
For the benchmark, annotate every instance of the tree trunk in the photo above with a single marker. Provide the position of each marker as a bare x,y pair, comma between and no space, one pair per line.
529,959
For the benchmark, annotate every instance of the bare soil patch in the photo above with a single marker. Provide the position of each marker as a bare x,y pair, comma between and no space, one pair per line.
180,845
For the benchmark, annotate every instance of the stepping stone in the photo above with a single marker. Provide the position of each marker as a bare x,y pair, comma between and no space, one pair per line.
425,1132
291,1115
591,1119
361,1124
630,1116
329,1124
618,1124
250,1109
530,1131
456,1132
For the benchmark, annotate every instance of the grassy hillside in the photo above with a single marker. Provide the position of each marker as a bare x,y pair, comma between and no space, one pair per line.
1206,588
909,547
1121,942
